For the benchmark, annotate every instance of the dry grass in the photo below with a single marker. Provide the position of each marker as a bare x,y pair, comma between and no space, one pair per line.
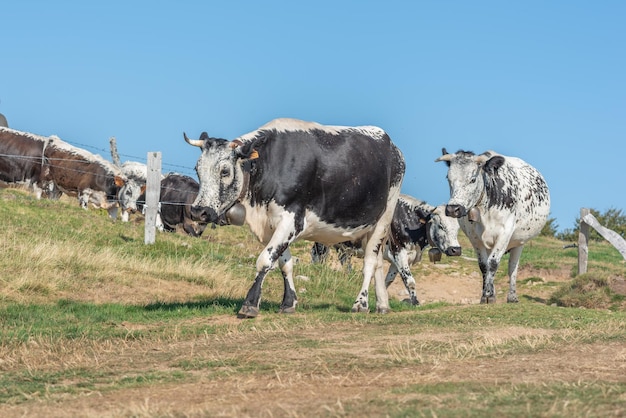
42,270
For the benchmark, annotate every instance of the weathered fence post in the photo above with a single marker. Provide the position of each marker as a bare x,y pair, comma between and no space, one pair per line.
612,237
583,241
153,190
588,220
114,155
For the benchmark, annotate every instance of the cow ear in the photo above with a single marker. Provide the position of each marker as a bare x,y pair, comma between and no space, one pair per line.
244,150
493,164
423,215
119,182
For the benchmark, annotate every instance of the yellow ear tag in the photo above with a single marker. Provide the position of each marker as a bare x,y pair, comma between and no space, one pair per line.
254,155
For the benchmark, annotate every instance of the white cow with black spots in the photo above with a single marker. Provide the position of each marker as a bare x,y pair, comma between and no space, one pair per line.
501,202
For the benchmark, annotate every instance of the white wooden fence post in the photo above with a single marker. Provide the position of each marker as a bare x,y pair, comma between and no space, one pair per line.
583,242
153,191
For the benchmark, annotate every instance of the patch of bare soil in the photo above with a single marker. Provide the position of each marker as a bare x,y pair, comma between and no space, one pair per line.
443,282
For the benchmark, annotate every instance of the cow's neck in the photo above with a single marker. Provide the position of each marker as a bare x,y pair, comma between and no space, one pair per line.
245,171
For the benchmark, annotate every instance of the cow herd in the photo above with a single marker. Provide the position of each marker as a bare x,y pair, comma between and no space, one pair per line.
51,167
289,180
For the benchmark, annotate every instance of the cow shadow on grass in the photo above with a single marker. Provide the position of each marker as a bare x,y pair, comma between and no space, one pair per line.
230,304
535,299
205,304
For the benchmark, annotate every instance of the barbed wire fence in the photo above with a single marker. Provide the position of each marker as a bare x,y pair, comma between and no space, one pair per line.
182,169
54,163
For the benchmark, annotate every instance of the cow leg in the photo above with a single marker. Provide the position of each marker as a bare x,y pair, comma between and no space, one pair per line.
278,244
250,307
382,297
83,198
490,266
488,295
400,263
373,267
391,275
373,260
409,283
319,253
288,305
361,304
159,223
38,191
345,258
514,256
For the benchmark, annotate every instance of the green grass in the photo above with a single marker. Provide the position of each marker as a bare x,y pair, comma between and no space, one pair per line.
469,399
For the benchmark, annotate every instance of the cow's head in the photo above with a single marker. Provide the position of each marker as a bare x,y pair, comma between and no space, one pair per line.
467,178
220,172
443,232
128,195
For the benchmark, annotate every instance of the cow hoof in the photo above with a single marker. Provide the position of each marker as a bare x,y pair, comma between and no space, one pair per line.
488,299
358,308
383,310
247,312
411,301
512,299
287,310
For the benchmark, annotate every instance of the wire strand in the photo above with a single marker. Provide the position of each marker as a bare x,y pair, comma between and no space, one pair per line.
46,161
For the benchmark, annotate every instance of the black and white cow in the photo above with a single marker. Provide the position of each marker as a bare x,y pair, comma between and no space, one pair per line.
21,161
415,225
501,202
78,172
136,174
291,180
178,192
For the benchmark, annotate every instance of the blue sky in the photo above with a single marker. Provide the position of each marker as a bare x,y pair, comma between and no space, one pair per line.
541,80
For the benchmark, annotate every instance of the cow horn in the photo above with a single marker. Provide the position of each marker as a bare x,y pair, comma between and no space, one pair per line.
194,142
481,159
447,157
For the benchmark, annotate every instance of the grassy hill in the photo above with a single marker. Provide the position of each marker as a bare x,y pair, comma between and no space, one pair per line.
95,323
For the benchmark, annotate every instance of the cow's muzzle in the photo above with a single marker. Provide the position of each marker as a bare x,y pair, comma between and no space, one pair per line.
453,251
456,211
204,214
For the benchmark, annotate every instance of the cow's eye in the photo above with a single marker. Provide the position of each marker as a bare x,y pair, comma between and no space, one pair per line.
225,172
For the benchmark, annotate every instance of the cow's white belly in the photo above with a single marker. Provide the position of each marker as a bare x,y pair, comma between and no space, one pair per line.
264,221
503,229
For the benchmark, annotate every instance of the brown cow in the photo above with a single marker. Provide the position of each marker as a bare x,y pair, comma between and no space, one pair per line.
78,172
21,161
